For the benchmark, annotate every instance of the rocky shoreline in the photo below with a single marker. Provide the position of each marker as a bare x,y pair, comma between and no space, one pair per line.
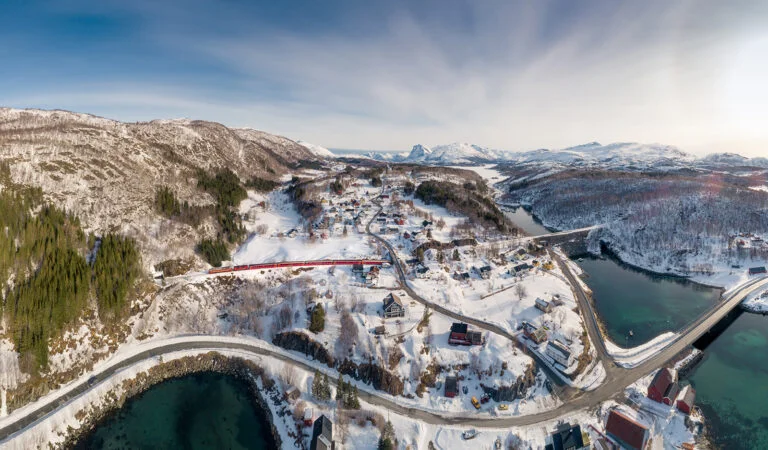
241,369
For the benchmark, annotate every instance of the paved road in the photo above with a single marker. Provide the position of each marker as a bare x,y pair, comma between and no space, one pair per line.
561,389
617,378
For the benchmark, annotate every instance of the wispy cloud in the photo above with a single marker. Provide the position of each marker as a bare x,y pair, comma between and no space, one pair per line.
510,75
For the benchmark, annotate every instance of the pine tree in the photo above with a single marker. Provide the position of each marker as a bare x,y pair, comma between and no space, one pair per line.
456,256
317,321
326,387
339,388
317,386
355,404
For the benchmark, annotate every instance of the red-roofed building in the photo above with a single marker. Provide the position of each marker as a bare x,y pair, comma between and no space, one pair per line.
661,385
627,432
685,399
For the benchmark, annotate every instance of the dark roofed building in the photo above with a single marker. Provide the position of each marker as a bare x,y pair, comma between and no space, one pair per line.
322,434
757,270
451,387
567,437
393,306
627,432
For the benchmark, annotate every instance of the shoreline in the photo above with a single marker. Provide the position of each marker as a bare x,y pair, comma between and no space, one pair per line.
241,369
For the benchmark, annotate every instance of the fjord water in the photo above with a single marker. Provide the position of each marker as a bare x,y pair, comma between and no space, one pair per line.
731,382
732,385
627,299
200,411
526,222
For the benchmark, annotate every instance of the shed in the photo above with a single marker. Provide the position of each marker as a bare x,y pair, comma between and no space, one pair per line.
292,393
757,270
628,432
380,330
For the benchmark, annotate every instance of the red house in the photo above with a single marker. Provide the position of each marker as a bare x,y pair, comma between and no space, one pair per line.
629,433
460,335
662,384
686,399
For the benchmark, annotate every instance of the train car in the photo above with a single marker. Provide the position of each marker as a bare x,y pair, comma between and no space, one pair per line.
220,270
241,267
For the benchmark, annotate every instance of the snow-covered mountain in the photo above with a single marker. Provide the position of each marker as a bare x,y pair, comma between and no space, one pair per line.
733,159
593,153
317,150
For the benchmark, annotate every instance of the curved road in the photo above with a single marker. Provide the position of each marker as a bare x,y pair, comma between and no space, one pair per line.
617,378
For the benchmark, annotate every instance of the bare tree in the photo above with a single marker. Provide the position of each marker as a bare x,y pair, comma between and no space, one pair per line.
520,291
348,334
288,375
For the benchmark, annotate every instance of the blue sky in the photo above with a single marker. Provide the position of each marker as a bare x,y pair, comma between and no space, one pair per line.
387,75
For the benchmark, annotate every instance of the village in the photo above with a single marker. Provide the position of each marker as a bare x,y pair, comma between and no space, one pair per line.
445,365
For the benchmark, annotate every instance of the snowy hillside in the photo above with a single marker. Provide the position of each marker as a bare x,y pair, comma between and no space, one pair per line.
107,172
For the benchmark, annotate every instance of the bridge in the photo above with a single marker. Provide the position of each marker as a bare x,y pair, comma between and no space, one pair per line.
616,380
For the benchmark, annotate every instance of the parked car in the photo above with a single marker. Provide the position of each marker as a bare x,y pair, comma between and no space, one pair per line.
469,434
465,389
475,403
503,407
485,398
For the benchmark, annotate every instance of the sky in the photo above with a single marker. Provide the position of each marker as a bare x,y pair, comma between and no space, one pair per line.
513,75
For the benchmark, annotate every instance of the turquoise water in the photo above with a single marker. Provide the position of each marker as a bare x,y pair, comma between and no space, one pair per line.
731,382
201,411
732,385
647,304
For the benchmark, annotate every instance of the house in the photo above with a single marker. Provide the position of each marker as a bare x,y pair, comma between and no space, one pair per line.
757,270
519,254
660,386
372,277
308,417
567,437
560,353
291,394
421,272
543,305
380,330
629,433
521,268
322,434
537,335
400,221
458,333
426,223
451,387
485,272
463,276
461,335
292,233
685,399
393,306
406,235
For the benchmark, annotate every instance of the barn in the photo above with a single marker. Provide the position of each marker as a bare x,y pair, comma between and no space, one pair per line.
661,383
629,433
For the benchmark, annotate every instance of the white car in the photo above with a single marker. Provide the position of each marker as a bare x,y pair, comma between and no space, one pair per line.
469,434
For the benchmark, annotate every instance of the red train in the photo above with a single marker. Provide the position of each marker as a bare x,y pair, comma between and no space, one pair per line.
279,265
